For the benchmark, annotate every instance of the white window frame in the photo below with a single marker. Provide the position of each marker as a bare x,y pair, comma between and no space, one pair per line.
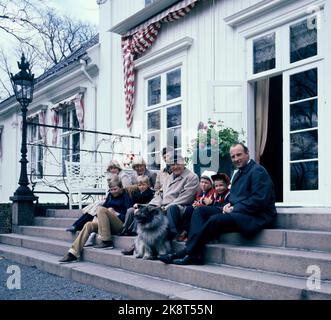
296,196
35,151
148,66
283,66
70,110
282,42
163,106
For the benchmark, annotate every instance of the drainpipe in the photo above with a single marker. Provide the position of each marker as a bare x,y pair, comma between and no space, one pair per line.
83,64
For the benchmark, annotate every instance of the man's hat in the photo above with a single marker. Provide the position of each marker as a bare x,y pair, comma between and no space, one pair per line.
208,175
137,161
175,158
221,176
114,164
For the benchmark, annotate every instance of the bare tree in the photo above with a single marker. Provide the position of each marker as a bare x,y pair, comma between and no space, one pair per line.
60,36
41,33
17,17
4,68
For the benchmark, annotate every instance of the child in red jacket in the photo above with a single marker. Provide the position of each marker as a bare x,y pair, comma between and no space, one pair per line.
204,197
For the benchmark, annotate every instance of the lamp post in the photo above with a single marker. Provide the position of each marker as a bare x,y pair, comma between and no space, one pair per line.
23,84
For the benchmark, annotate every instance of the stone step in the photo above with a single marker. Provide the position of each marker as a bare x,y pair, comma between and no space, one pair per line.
251,284
300,218
284,238
64,213
130,284
54,246
54,222
46,232
300,239
285,261
304,218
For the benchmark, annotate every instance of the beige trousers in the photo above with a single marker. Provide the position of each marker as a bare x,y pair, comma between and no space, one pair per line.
108,223
77,246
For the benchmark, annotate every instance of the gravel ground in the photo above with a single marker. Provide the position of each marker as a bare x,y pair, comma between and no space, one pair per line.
40,285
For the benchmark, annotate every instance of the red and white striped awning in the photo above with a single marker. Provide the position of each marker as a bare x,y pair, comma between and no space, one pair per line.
41,115
175,12
65,102
138,40
78,102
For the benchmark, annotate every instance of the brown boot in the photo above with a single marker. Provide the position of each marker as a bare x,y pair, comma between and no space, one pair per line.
68,257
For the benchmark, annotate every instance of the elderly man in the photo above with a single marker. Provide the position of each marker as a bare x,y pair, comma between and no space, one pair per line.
179,191
251,208
162,175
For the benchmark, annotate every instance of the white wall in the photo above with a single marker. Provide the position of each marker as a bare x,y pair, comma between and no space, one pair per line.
10,148
62,87
217,57
208,60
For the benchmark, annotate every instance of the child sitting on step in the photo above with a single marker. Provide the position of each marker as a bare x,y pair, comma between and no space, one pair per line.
110,219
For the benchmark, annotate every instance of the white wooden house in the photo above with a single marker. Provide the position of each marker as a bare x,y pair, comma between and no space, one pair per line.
258,65
65,96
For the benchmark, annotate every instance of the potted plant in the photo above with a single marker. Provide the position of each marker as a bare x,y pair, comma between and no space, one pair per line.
210,149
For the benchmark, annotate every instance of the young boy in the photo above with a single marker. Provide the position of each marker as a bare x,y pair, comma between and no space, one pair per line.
222,192
110,220
143,195
204,197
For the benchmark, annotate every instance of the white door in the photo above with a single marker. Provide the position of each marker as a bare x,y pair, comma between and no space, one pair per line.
303,105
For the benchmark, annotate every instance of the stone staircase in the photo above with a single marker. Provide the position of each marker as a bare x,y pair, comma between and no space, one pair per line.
272,265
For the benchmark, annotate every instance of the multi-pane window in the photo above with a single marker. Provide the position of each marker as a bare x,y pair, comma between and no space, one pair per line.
70,140
277,51
284,46
264,53
303,40
304,130
164,121
36,150
304,165
154,91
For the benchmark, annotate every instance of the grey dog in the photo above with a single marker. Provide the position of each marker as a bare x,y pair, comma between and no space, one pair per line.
152,233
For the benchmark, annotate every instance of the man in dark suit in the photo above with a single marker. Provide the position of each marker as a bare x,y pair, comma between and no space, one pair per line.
251,208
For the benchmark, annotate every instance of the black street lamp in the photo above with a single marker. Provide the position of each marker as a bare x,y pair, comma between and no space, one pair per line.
23,84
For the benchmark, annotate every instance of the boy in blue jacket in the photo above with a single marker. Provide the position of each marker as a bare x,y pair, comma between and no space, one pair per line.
111,216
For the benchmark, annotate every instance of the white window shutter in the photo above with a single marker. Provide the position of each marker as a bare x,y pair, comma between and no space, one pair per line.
226,103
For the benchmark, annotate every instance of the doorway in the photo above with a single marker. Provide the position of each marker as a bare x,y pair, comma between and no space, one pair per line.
272,157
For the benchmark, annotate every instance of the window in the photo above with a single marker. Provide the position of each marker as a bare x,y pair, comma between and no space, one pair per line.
285,47
164,115
154,91
304,130
303,40
70,140
36,150
264,53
